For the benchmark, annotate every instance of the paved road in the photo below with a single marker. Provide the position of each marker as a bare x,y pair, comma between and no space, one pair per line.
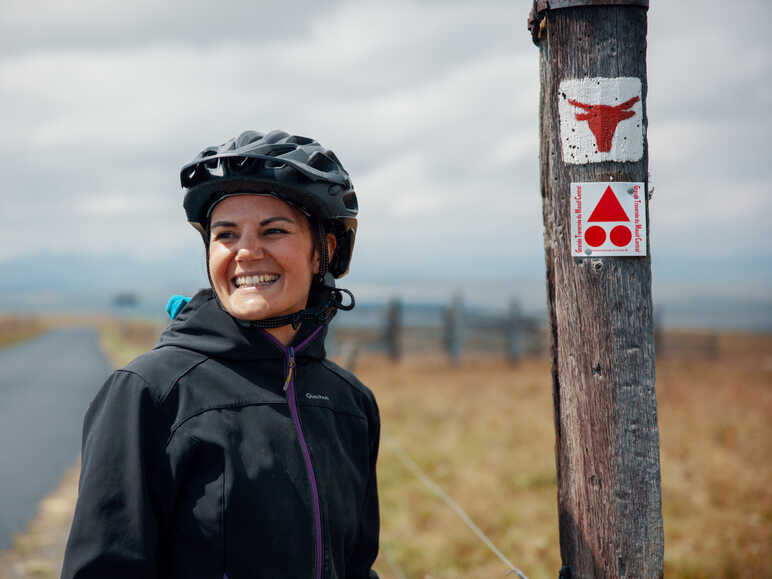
46,385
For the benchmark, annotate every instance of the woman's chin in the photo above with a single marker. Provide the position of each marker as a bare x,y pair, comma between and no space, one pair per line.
250,308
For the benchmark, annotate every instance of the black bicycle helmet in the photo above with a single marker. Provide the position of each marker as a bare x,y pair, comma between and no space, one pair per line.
298,171
295,169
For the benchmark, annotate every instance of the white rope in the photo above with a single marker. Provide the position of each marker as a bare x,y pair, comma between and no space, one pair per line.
411,465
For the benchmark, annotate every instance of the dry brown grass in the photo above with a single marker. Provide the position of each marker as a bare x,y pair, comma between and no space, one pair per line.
124,340
716,447
17,329
38,552
484,432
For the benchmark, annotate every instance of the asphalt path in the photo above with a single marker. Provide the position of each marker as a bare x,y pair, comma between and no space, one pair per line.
46,385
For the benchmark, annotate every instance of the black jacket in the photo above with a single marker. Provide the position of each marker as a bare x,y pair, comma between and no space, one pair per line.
222,453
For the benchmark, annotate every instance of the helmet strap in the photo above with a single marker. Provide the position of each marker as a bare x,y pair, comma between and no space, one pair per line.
320,314
324,283
324,259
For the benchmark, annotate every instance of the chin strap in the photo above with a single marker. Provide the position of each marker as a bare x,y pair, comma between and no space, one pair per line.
324,284
321,314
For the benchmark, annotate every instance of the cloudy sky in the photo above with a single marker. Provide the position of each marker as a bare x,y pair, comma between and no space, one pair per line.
431,105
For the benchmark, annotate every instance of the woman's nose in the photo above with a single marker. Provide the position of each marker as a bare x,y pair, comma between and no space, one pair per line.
250,249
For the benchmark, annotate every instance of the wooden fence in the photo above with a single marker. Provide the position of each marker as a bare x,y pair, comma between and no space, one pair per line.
466,334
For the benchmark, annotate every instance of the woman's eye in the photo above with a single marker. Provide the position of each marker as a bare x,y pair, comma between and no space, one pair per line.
223,235
275,231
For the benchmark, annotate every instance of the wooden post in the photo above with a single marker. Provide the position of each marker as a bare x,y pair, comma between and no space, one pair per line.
514,333
454,328
330,340
713,346
349,351
392,332
600,308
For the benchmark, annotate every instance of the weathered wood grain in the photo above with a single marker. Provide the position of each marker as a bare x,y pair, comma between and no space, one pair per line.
600,315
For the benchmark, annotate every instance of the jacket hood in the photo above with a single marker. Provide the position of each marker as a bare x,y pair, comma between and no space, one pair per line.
205,327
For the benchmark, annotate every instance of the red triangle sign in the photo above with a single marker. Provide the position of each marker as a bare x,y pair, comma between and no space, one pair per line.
608,208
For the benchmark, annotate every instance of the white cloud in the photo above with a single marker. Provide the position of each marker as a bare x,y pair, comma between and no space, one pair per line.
432,106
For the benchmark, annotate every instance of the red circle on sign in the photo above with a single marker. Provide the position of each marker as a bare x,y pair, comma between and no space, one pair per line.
595,236
620,235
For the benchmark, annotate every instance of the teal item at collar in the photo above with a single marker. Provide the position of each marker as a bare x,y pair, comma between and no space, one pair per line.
175,305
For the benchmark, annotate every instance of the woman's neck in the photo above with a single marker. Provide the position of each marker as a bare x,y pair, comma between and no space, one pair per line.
284,334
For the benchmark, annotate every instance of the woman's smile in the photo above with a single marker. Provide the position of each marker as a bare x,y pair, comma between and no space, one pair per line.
254,281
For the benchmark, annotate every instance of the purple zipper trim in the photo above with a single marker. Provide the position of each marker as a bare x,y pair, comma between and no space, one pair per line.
290,353
299,347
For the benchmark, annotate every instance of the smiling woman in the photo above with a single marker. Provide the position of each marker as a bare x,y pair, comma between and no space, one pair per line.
261,258
235,448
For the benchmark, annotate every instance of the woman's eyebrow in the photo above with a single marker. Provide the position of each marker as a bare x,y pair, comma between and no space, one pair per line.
263,223
222,224
276,218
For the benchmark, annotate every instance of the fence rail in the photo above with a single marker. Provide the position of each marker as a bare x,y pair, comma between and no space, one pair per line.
457,333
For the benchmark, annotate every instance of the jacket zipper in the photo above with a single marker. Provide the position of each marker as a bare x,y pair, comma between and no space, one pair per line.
289,388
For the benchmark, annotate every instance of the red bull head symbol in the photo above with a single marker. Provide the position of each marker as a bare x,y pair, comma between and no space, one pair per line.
603,120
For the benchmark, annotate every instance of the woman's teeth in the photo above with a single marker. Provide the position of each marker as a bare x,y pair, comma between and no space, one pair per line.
253,280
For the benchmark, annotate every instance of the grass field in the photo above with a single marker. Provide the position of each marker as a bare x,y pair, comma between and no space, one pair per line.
17,329
484,433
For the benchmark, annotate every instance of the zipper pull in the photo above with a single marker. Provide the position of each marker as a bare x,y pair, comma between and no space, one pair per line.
290,367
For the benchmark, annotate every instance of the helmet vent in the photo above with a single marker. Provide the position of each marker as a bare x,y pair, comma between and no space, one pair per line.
278,150
215,168
240,164
350,201
298,140
210,153
322,162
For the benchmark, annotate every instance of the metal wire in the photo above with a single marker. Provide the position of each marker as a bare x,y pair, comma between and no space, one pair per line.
413,467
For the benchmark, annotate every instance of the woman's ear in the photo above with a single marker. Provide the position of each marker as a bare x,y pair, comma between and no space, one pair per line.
332,243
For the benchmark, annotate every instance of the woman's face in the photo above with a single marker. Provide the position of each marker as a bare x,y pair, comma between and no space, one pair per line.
261,257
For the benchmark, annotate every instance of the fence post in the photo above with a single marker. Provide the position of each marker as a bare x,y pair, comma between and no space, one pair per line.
600,308
515,328
392,332
330,340
454,328
713,346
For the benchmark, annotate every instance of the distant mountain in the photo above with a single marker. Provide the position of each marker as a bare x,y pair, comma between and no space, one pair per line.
67,282
72,272
52,282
